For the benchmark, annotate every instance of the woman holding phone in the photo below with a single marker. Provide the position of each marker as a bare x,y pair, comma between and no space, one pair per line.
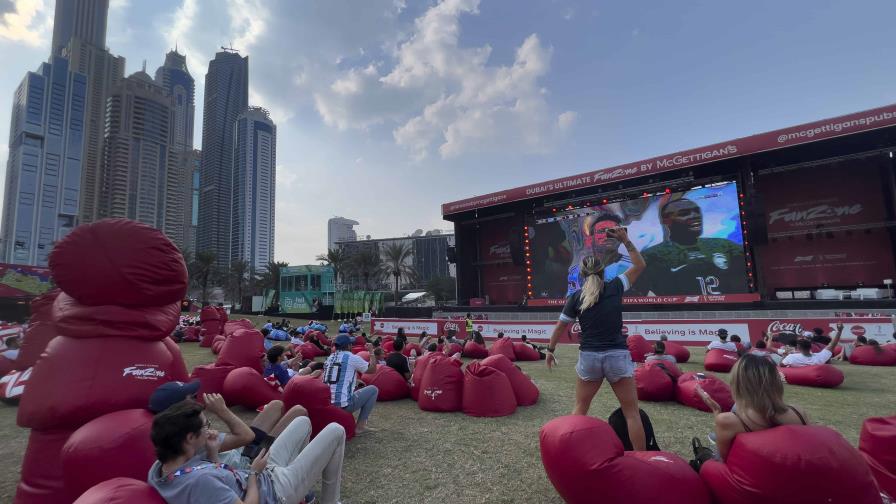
603,352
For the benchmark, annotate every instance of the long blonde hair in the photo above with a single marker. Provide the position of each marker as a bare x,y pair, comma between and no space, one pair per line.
593,271
758,387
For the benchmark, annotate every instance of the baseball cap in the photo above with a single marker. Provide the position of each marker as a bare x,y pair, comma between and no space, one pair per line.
171,393
722,331
343,340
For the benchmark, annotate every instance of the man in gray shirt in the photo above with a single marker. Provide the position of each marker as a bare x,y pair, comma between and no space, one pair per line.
188,469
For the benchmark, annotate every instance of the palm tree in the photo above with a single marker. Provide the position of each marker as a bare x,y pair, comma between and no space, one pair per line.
338,259
367,263
203,271
237,280
272,276
396,264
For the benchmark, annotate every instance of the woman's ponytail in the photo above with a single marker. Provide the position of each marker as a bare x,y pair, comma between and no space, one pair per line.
593,272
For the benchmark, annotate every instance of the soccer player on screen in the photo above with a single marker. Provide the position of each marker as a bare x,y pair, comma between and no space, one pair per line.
603,246
685,263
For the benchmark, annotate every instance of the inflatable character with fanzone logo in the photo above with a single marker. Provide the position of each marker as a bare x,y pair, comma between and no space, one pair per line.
121,284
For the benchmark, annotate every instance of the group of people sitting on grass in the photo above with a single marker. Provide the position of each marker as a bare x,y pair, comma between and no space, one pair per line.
794,351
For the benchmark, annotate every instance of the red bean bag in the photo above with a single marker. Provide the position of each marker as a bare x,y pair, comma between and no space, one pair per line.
672,369
152,323
246,387
761,467
314,396
679,351
245,348
42,479
817,347
358,349
822,375
131,264
392,386
310,351
78,380
877,443
686,391
586,463
86,456
389,346
525,352
34,343
42,307
217,346
121,491
503,346
322,338
454,348
211,378
417,375
442,386
487,392
6,365
232,326
719,361
223,313
474,350
654,384
12,386
868,355
638,347
524,388
406,351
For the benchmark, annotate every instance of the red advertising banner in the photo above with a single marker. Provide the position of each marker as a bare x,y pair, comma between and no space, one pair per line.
648,300
685,331
778,139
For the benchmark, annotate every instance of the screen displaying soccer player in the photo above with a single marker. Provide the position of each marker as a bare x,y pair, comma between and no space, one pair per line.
691,240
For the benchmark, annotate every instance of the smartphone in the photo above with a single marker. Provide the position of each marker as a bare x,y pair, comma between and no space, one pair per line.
701,376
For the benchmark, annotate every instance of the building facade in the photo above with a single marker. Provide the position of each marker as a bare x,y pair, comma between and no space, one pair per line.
226,97
177,82
43,172
340,229
190,164
81,19
141,177
428,259
254,175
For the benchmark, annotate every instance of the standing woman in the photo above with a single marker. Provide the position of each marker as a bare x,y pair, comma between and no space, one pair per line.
603,352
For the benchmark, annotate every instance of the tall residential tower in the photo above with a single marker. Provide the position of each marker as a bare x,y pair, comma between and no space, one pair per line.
177,82
255,161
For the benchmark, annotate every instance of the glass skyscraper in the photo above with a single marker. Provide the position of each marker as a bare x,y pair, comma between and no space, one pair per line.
255,161
177,82
43,173
226,97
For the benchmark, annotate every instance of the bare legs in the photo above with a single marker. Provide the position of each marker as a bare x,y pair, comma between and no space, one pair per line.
273,421
585,391
627,393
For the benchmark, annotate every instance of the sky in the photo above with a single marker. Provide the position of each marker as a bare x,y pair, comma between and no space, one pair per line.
386,109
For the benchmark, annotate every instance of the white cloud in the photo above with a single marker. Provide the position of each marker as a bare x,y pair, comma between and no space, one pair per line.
569,13
566,120
447,98
29,22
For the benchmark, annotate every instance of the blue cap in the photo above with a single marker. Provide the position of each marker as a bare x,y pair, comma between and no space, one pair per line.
171,393
343,340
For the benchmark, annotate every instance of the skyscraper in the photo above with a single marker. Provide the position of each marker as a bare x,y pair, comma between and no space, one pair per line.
190,164
81,19
79,34
339,229
141,177
174,77
255,161
43,173
226,97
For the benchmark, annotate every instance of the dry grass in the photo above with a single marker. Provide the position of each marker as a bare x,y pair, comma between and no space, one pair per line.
437,457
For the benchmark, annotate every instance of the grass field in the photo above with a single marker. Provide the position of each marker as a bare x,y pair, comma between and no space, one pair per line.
449,457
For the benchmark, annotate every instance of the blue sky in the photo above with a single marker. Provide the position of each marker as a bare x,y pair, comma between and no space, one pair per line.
387,108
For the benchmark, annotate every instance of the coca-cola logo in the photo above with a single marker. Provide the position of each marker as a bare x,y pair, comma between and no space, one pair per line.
451,326
501,249
576,328
857,330
778,327
143,372
813,213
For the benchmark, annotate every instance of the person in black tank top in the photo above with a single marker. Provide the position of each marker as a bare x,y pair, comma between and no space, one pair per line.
603,353
759,396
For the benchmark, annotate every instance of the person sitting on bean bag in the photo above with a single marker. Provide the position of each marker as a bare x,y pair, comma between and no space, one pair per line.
340,373
659,354
12,348
397,361
741,347
477,338
761,349
759,403
539,349
849,347
805,357
189,470
279,366
818,336
422,340
314,340
722,343
295,338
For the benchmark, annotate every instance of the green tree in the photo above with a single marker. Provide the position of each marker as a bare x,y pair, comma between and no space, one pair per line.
368,264
204,272
237,279
338,259
441,288
396,265
271,277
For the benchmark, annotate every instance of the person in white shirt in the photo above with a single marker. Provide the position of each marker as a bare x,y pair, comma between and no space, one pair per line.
340,372
12,348
722,343
659,354
804,356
